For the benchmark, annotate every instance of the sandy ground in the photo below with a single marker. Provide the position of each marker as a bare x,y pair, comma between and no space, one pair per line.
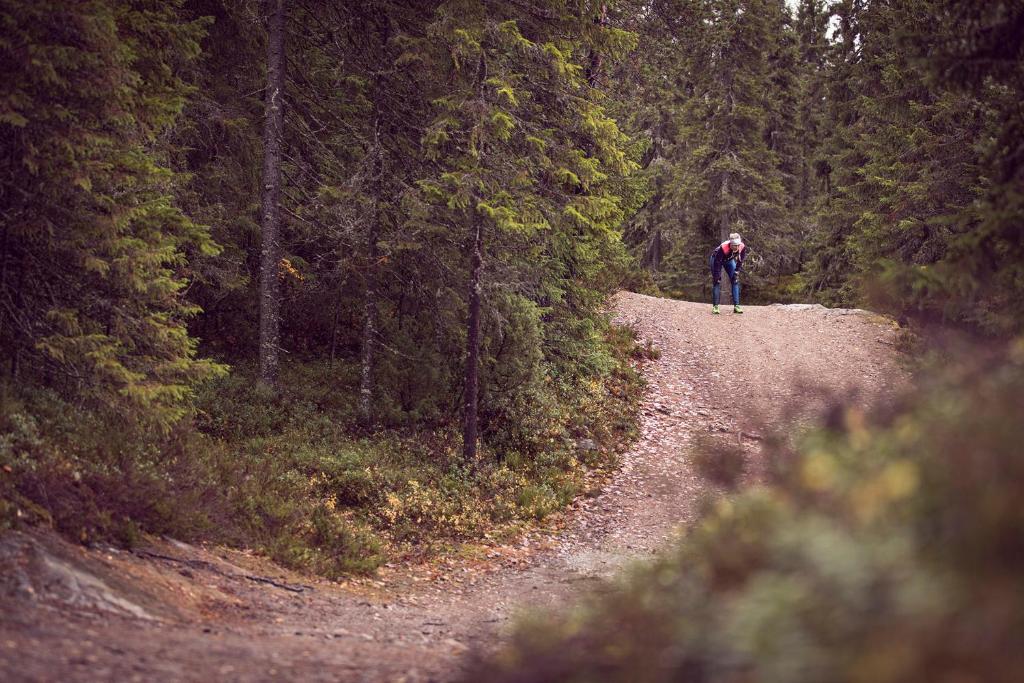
174,612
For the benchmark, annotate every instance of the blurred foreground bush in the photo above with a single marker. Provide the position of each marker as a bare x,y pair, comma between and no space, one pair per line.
885,548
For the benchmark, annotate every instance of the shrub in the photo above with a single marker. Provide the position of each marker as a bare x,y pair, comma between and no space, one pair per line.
293,478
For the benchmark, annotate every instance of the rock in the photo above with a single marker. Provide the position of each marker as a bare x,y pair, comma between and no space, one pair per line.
32,571
800,307
586,445
819,307
456,645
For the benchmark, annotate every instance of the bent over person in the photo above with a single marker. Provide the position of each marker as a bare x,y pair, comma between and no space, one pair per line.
728,255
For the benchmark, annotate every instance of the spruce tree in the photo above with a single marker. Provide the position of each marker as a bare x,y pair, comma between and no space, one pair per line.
719,109
523,160
270,286
976,51
92,255
906,173
811,25
830,268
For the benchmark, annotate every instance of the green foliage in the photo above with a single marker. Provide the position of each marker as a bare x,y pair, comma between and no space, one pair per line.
922,214
985,265
713,90
92,252
131,209
520,145
885,548
384,168
70,468
289,477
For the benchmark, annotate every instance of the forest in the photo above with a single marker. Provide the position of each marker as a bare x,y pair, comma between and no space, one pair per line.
330,280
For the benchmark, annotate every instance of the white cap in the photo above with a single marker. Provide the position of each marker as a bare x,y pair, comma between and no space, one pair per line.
735,239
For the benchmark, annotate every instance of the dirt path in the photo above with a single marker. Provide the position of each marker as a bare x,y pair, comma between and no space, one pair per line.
186,613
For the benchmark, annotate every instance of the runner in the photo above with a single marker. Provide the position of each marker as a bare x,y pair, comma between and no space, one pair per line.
728,254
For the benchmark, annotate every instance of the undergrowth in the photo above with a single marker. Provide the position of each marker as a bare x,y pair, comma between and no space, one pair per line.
296,479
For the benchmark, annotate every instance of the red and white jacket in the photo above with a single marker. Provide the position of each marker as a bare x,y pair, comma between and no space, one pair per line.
726,252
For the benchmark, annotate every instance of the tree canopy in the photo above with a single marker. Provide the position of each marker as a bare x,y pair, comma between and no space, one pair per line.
410,218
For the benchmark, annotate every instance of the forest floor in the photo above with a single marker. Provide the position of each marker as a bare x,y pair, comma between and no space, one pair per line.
172,611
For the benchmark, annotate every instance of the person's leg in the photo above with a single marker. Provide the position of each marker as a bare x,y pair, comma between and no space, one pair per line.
730,268
716,281
734,279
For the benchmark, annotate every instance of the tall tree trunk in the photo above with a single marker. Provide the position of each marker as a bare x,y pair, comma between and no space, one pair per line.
655,251
654,247
596,58
3,295
270,287
724,224
472,373
370,314
370,302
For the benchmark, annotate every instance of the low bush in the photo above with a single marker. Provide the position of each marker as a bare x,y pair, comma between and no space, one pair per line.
295,477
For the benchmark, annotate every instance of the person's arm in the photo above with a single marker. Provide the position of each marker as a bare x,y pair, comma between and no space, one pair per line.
739,259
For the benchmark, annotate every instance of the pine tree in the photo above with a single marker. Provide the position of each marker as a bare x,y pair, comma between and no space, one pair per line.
522,158
377,274
270,287
811,25
921,169
976,51
650,87
92,262
906,172
217,148
723,142
830,267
